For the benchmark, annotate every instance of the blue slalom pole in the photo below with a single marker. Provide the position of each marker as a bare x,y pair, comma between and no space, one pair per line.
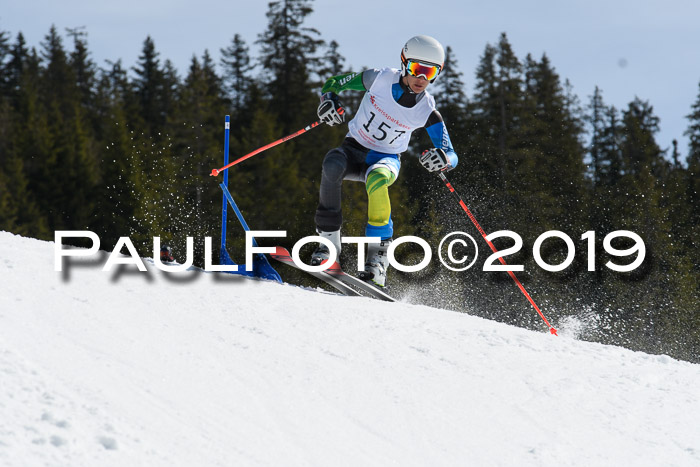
227,130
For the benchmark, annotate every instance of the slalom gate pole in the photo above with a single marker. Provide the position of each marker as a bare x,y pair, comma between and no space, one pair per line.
227,130
216,172
493,248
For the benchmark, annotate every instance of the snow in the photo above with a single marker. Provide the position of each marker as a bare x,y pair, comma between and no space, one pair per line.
193,368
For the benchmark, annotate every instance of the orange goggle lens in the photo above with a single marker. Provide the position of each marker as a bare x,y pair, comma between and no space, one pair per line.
417,69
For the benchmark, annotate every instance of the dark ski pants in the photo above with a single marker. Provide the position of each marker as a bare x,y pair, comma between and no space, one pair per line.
351,161
346,162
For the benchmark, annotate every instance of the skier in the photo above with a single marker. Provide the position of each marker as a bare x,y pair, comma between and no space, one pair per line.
394,105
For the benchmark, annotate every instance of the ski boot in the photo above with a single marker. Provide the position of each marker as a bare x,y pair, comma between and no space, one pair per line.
322,253
377,263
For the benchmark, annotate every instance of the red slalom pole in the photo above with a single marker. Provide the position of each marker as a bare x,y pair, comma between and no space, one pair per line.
216,172
493,248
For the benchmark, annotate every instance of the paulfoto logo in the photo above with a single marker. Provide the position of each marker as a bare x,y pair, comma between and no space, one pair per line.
459,254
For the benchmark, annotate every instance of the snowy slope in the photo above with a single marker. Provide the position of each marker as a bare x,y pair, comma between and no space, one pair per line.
193,369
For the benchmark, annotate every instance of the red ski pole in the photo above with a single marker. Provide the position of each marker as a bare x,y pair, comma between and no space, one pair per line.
493,248
216,172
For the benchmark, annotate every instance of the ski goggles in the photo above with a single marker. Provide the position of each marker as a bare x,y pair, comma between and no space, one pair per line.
428,71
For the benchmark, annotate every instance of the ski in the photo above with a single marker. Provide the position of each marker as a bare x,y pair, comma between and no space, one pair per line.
282,255
369,289
335,277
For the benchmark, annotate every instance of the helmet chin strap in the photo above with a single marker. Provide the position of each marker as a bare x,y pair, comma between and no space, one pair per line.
406,87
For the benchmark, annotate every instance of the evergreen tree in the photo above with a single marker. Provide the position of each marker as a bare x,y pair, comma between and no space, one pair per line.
596,121
155,89
58,71
693,132
18,211
288,58
635,202
605,174
554,167
497,117
675,155
611,164
170,89
509,96
150,90
482,123
83,67
16,67
235,62
685,209
120,190
4,63
682,249
66,179
29,134
693,180
641,153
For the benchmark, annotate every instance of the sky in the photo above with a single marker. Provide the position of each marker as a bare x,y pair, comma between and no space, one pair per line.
625,47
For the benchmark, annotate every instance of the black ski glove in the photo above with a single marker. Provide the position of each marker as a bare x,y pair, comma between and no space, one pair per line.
330,110
434,160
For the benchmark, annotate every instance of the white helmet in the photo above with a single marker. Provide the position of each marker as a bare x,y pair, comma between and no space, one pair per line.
423,49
